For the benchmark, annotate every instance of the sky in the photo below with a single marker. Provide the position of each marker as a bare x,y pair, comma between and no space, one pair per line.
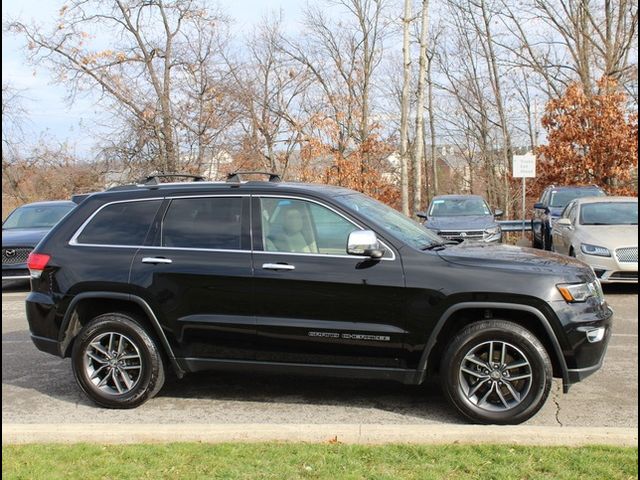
49,112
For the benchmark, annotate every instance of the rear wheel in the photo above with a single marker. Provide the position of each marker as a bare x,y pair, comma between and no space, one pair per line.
495,371
116,362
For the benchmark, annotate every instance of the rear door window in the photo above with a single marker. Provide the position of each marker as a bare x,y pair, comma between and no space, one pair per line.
123,224
213,223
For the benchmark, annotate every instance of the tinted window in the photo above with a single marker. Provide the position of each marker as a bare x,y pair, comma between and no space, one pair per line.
124,223
559,198
36,216
609,213
212,223
297,226
455,207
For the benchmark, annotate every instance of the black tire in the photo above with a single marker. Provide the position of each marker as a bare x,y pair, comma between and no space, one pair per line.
138,348
546,239
572,252
507,408
535,242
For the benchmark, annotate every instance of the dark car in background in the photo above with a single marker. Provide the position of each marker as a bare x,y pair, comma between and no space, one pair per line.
463,217
23,228
550,206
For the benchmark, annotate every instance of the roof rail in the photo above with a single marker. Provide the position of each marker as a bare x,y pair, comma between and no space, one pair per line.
235,176
155,178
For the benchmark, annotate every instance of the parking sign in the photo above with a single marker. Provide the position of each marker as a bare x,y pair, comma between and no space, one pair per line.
524,166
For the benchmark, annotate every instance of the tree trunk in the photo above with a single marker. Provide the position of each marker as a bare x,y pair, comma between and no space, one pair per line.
419,147
404,115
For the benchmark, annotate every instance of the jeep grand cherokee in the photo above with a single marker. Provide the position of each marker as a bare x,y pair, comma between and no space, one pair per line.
298,278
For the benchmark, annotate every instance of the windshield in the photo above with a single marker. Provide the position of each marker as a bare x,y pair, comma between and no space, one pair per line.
457,207
36,216
560,198
609,213
390,220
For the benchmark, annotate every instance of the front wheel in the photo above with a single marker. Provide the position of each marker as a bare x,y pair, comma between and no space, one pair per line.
116,362
495,371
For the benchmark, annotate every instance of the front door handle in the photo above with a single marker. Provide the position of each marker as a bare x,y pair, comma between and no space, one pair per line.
155,260
277,266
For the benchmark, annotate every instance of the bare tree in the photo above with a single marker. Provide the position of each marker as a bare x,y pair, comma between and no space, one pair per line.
418,158
138,72
405,105
567,40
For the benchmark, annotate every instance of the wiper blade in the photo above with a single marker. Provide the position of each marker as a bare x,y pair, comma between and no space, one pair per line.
435,245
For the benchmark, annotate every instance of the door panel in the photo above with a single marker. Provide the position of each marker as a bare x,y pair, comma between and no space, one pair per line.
199,277
322,306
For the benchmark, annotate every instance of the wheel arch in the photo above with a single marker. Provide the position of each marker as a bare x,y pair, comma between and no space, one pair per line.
88,305
459,315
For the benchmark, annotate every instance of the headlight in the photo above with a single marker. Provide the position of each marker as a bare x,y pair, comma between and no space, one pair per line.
594,250
580,292
492,232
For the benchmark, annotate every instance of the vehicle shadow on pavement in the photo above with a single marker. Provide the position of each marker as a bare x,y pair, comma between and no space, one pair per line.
52,380
425,402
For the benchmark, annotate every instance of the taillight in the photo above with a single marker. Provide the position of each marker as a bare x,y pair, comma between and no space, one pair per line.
36,262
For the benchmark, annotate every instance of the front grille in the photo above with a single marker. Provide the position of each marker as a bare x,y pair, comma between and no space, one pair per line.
627,255
461,235
624,276
15,256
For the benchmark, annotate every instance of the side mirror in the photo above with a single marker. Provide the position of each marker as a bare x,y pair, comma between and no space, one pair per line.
539,206
563,222
364,243
422,215
498,213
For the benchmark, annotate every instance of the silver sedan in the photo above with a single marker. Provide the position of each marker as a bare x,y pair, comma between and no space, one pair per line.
602,232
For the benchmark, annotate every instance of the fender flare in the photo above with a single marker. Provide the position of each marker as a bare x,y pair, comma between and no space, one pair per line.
69,327
557,350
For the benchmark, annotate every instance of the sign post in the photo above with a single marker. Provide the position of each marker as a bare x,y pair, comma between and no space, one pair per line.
524,166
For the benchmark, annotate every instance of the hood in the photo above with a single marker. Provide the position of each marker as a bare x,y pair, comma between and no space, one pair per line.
461,222
608,236
23,237
509,257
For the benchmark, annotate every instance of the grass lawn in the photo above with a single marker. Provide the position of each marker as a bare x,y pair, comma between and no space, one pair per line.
314,461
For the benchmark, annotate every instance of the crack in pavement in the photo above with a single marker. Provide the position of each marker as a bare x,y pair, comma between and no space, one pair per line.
555,397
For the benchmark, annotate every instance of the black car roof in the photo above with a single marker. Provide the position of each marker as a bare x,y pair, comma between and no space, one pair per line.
138,191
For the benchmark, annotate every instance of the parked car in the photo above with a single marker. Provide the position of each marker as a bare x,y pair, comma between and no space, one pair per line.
23,228
462,217
602,232
298,278
549,207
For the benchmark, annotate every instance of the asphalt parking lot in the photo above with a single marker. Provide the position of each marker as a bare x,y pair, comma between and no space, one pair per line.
39,388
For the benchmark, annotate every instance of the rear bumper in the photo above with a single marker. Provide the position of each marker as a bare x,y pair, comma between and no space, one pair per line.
46,345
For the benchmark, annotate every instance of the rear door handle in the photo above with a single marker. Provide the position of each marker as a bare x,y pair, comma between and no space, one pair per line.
155,260
277,266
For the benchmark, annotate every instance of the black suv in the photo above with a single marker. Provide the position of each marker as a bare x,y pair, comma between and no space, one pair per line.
299,278
550,206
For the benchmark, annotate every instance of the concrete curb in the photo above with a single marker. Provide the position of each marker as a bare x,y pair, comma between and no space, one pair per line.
13,433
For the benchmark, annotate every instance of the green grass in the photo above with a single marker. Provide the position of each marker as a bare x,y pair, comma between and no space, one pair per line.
314,461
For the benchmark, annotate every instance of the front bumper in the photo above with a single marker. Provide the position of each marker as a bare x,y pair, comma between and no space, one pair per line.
587,331
18,272
609,269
